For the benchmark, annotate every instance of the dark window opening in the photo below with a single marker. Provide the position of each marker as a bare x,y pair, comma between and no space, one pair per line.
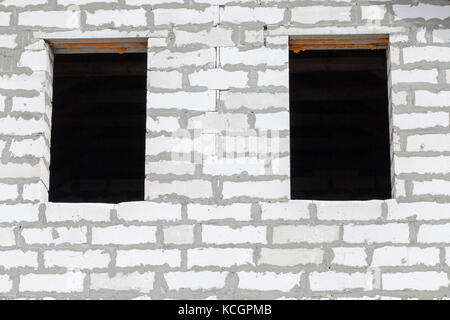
339,120
98,128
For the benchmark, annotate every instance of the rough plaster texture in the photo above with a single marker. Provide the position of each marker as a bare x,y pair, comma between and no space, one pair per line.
218,229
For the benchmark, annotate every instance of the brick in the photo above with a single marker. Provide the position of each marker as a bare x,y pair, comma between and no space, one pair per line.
5,18
118,18
12,126
431,99
123,235
55,236
315,14
348,210
134,281
177,143
224,234
23,3
254,57
35,192
393,232
193,189
421,120
8,41
28,147
7,237
254,100
422,10
8,192
232,166
35,81
54,19
405,256
5,283
169,59
273,78
339,281
447,255
235,14
35,60
219,121
149,2
235,211
60,283
428,142
441,35
144,211
76,260
183,16
254,36
170,167
229,257
412,76
256,189
57,212
180,234
428,53
268,281
219,79
196,101
434,233
18,259
373,12
29,104
25,170
165,79
433,187
203,280
417,210
213,37
157,124
305,233
272,121
145,257
426,281
351,257
291,210
19,213
435,164
290,257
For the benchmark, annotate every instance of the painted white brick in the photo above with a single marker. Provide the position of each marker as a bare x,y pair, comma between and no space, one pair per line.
434,233
399,98
235,14
441,35
230,166
373,12
67,282
56,19
35,81
213,37
25,170
405,256
55,236
431,99
254,57
118,18
35,60
170,167
182,16
33,104
5,18
339,281
56,212
165,79
352,257
20,126
254,100
76,260
169,124
219,79
273,78
196,101
228,257
123,235
177,143
19,212
412,76
135,281
254,36
235,211
5,283
290,257
218,121
433,187
267,281
421,120
148,211
429,53
193,189
428,280
35,192
8,41
428,142
305,233
180,234
315,14
422,10
256,189
8,191
417,210
28,147
348,210
439,164
272,121
168,59
291,210
394,232
144,257
224,234
195,280
16,259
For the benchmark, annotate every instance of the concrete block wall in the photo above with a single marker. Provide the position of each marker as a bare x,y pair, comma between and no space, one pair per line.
217,221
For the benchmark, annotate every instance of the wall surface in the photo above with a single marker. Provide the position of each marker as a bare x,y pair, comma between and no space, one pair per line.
214,224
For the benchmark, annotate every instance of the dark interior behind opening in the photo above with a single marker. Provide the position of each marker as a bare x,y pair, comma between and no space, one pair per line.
340,147
98,128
